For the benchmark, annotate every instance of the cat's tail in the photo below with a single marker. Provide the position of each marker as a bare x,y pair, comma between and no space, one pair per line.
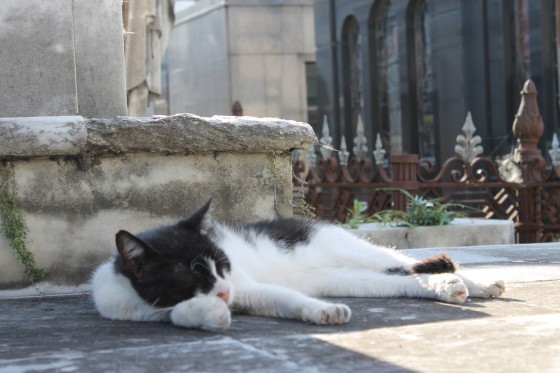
440,263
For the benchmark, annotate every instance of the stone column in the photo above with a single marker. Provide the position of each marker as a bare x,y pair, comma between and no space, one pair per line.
62,57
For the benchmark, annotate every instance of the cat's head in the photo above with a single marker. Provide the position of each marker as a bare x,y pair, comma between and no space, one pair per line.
174,263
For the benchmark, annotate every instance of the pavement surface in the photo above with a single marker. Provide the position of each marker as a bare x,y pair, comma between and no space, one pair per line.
517,333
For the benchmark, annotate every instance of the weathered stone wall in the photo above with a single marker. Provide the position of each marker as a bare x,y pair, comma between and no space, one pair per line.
79,181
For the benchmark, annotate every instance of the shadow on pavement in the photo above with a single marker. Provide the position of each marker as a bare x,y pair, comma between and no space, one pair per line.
63,332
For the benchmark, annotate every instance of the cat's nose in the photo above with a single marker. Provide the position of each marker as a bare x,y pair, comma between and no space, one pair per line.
224,294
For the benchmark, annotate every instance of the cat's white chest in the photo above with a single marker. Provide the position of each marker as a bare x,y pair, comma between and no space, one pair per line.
264,260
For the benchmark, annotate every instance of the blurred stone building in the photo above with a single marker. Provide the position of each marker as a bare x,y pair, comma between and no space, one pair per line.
414,68
258,52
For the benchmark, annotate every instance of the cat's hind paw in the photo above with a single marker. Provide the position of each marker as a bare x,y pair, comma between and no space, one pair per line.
492,289
331,314
451,289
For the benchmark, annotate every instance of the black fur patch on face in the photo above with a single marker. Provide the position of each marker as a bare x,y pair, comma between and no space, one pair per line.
440,263
287,232
170,264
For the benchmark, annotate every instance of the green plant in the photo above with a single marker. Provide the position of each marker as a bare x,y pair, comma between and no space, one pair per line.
15,228
421,212
356,215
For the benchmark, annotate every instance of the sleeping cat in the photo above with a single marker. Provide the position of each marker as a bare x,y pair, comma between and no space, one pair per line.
194,272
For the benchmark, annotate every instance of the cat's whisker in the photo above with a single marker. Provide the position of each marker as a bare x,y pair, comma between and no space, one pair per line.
162,311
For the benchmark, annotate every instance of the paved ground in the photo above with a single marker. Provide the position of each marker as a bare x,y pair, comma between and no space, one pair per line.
518,333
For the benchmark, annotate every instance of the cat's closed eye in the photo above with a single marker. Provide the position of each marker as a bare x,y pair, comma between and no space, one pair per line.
222,267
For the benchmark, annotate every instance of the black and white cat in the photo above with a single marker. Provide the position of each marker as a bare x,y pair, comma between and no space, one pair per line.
194,272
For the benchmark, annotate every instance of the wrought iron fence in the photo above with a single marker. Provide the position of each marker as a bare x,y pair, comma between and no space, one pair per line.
519,189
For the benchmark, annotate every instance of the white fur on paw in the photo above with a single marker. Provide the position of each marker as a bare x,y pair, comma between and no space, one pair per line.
451,289
218,317
492,289
208,313
330,314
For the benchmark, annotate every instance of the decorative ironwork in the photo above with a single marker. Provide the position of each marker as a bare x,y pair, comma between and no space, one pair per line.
326,140
554,151
360,141
237,109
532,201
468,146
379,152
343,154
528,128
311,156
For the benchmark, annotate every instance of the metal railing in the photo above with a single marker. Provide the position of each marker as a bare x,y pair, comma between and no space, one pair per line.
518,189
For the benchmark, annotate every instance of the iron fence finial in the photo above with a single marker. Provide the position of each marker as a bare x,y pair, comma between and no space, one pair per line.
326,140
343,155
360,141
528,127
554,151
311,156
468,146
379,152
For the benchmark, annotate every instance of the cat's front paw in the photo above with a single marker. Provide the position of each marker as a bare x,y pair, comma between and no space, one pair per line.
450,289
218,316
329,314
208,313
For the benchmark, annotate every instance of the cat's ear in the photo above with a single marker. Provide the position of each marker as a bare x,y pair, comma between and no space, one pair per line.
201,220
131,249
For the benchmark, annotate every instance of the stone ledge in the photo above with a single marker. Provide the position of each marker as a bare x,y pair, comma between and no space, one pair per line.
30,137
44,137
461,232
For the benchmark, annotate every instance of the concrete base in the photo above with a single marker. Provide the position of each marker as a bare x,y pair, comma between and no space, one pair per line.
517,333
461,232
